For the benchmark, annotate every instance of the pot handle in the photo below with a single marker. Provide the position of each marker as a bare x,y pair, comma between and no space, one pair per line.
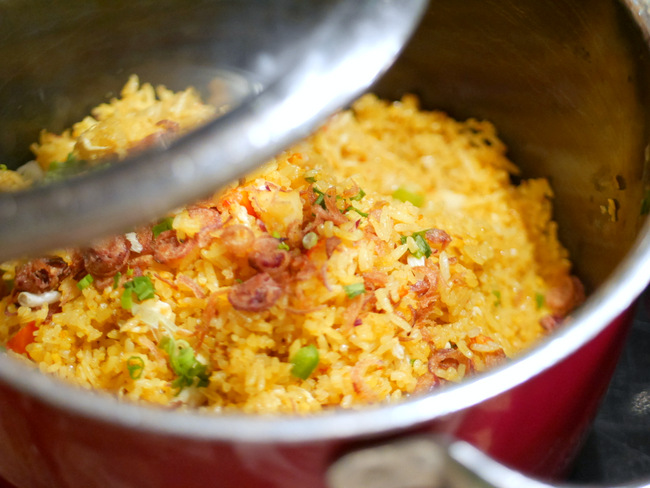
432,462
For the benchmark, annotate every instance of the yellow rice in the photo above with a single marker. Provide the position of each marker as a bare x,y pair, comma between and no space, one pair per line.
493,277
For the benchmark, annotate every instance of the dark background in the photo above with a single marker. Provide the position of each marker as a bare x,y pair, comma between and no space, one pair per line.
617,448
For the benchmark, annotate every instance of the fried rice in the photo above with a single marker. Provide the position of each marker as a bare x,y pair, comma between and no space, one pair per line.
386,255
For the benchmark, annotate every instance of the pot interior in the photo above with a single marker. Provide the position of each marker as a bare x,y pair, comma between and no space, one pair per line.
566,84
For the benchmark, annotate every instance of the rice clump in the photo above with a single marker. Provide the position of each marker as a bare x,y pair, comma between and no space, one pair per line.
386,255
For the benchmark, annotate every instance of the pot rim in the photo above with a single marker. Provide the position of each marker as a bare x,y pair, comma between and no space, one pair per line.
609,301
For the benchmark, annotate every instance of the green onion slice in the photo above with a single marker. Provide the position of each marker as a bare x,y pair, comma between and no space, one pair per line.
309,240
354,290
143,287
184,364
354,209
304,362
116,280
162,226
284,246
424,250
85,282
127,299
497,295
135,367
359,195
404,195
321,198
539,300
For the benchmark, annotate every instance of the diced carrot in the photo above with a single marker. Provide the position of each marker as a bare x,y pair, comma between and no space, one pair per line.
24,337
239,196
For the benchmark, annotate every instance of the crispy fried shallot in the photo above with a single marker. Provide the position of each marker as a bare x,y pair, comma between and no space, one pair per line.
256,294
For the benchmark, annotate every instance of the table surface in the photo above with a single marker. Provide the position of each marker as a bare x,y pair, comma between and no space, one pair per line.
617,448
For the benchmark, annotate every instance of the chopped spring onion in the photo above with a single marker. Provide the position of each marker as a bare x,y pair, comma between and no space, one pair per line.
183,362
127,299
359,195
321,198
135,367
423,246
283,245
116,280
404,195
497,295
3,167
310,176
59,170
162,226
354,290
143,288
539,300
85,282
309,240
354,209
304,361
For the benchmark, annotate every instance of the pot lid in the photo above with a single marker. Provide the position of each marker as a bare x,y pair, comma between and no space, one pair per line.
287,65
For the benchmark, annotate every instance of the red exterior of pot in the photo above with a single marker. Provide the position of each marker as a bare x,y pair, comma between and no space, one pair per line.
535,427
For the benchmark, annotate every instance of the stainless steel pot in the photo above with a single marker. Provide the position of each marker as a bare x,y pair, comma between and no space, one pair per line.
567,84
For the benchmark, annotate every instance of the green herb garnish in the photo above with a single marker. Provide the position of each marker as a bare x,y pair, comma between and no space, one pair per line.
126,300
359,195
85,282
309,240
184,364
162,226
3,167
116,280
283,245
141,286
354,209
59,170
404,195
321,198
539,300
304,361
310,179
135,366
424,250
497,295
354,290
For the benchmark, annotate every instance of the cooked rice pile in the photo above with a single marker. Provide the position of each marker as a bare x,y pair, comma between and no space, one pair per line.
384,256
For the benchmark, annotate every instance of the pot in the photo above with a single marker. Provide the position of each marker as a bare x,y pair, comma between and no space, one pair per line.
566,82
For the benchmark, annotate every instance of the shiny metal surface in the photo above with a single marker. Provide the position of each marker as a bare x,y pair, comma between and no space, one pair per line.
542,126
305,60
567,84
